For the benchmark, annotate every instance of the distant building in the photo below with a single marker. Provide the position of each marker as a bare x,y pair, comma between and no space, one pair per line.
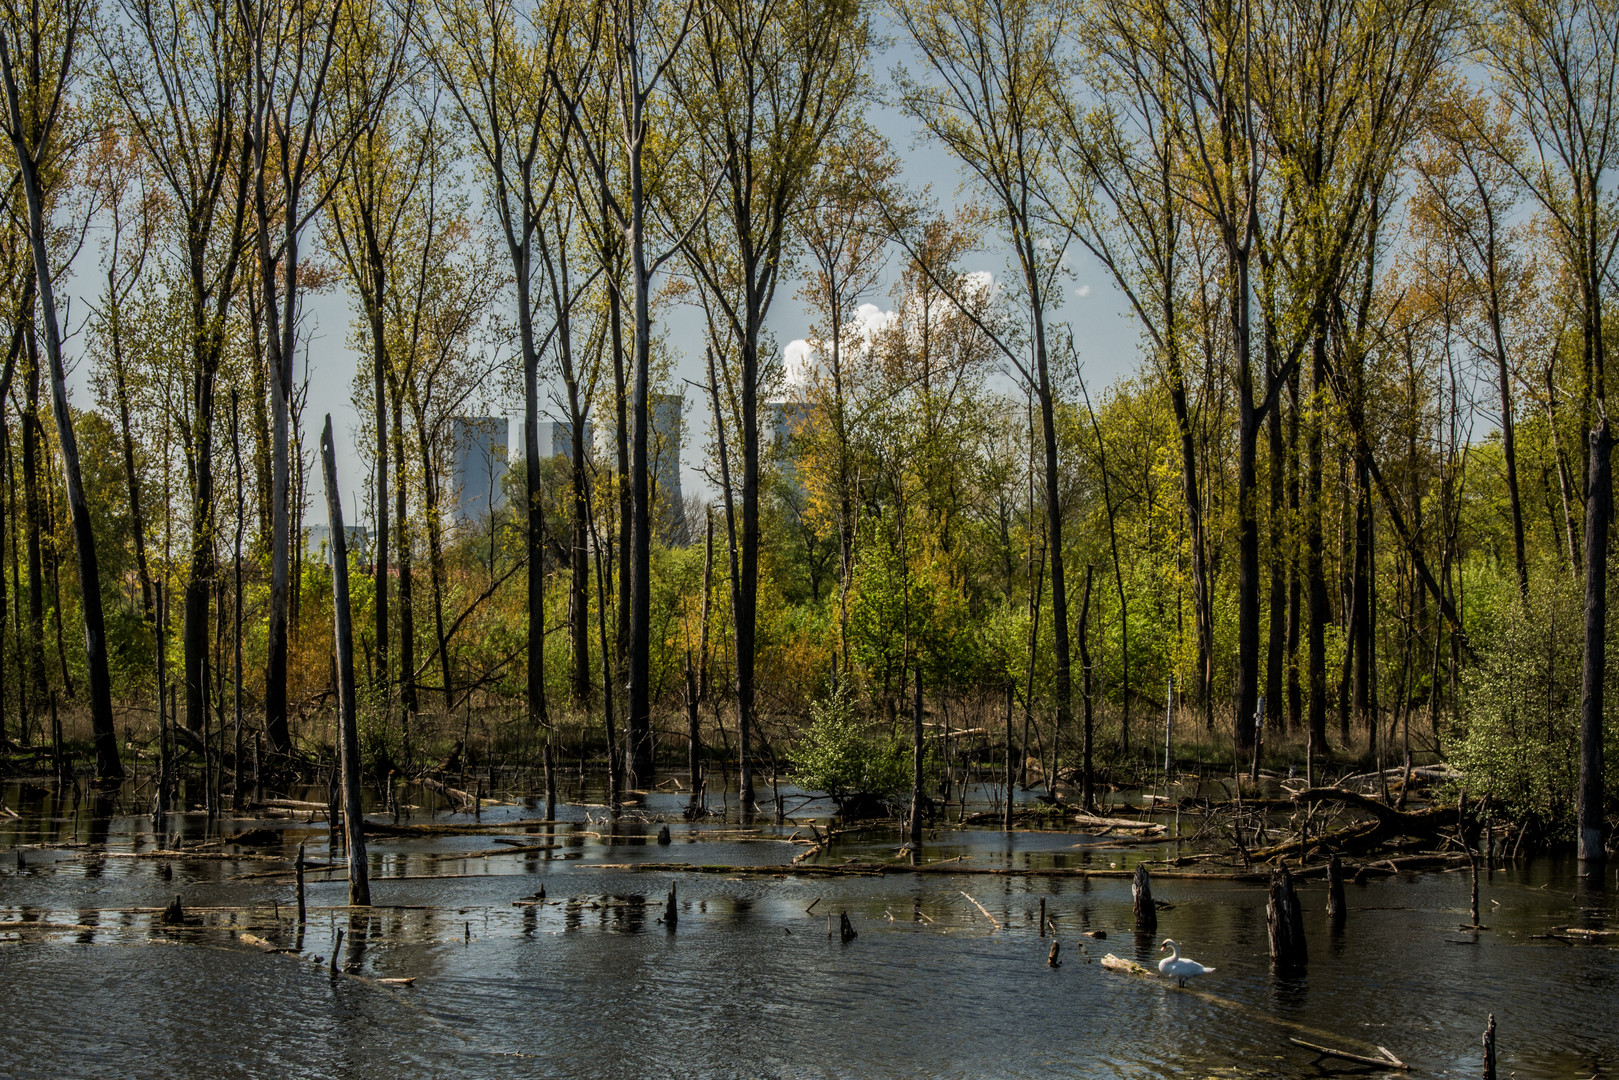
782,422
785,419
666,439
318,542
477,464
555,436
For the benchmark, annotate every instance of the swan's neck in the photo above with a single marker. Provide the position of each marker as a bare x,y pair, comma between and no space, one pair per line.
1174,952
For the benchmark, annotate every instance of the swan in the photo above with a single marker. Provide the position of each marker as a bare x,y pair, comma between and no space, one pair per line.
1175,967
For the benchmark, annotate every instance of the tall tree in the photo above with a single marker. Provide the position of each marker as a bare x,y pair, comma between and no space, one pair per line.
763,88
985,97
180,73
1556,69
504,65
296,148
37,118
374,192
646,37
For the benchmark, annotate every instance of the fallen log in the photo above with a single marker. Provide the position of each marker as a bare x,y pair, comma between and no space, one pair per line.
858,869
1114,822
456,795
1125,967
1397,822
1387,1061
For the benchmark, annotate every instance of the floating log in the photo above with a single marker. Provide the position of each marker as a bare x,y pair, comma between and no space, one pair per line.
463,799
411,981
864,869
1386,1061
984,909
1126,967
1146,912
1115,823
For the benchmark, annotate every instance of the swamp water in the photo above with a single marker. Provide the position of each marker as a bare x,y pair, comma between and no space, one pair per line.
750,984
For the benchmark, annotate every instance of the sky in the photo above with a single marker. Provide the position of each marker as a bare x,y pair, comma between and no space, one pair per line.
1107,340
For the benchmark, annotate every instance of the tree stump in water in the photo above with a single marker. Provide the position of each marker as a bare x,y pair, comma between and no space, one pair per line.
1335,889
1286,923
1489,1049
298,872
174,914
1051,957
670,915
1145,910
846,930
663,836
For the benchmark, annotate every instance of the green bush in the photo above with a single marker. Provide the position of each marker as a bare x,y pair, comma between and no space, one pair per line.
838,756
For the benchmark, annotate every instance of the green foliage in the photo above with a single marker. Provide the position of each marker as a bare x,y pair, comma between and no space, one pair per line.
1517,738
839,756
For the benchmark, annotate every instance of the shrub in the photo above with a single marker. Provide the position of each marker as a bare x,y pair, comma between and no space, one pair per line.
838,756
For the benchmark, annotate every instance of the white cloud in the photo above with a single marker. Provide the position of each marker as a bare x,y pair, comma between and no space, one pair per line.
1083,291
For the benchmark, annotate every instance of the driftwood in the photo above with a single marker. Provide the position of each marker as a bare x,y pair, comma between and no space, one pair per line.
464,800
1389,823
858,869
1114,822
1387,1061
454,828
1127,967
992,920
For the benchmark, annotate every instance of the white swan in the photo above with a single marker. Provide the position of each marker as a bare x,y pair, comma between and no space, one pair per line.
1174,967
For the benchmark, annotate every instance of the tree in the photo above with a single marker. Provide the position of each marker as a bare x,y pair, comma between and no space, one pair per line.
179,73
763,88
297,149
39,141
505,69
988,103
1556,69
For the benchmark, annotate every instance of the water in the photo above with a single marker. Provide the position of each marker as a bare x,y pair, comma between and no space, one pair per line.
750,985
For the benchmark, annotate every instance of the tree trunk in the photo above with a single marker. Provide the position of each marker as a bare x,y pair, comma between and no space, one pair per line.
1087,770
343,630
916,766
1598,505
95,634
638,721
407,610
1314,568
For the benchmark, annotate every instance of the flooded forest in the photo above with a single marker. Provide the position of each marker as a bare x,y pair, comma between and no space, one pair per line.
954,538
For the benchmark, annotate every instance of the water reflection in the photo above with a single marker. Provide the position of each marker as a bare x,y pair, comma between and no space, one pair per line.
752,984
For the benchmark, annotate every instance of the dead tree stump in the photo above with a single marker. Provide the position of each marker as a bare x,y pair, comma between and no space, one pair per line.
298,873
174,914
1489,1049
1286,923
1051,957
1335,889
1146,911
670,915
846,931
663,836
